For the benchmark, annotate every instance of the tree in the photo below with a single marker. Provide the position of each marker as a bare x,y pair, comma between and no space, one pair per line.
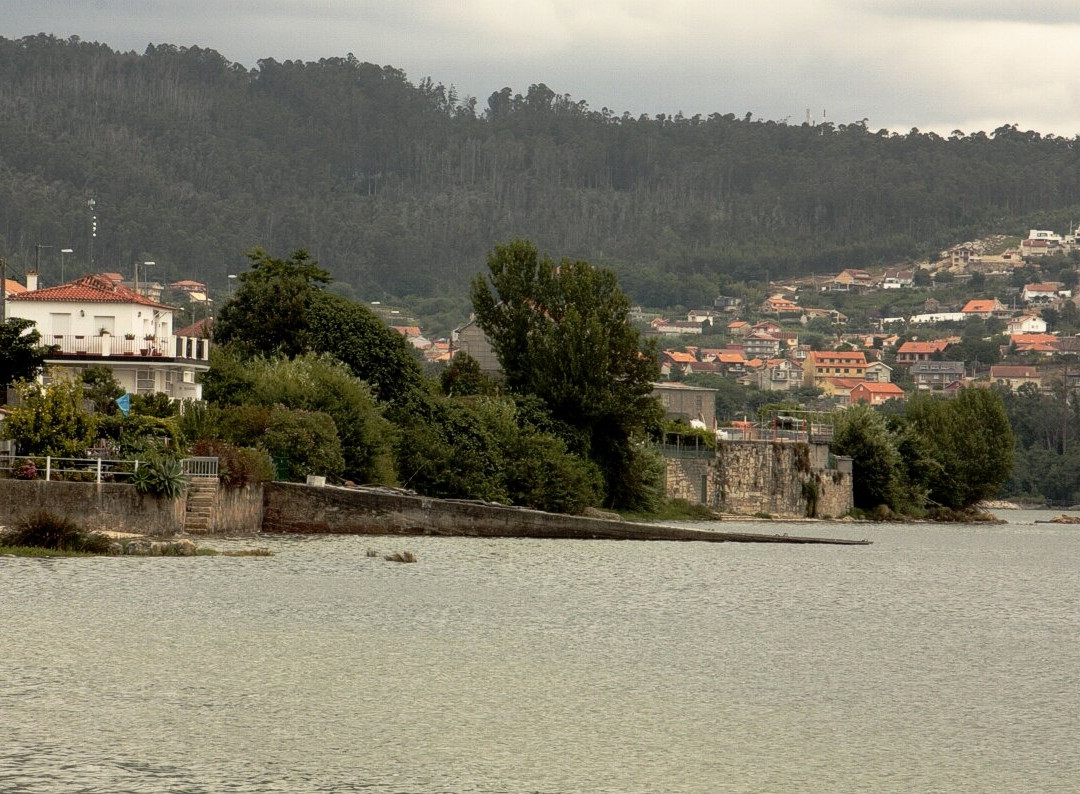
51,420
562,332
21,355
463,377
269,313
862,434
101,388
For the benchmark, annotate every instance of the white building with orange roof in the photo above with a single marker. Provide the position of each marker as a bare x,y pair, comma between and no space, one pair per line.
94,320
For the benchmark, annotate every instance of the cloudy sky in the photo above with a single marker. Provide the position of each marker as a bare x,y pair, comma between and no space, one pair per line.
933,64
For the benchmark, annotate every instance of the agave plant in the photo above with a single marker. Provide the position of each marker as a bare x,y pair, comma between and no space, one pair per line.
161,476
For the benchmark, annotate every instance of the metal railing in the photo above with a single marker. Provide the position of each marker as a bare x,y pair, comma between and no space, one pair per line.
200,467
98,470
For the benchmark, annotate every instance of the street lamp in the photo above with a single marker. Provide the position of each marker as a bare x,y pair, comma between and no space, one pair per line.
232,281
137,265
62,252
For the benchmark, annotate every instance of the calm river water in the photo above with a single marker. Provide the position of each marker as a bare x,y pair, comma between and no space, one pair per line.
937,659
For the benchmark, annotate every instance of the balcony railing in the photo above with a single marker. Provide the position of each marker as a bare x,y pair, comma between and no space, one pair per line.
108,345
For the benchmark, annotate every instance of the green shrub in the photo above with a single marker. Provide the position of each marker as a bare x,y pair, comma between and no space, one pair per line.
46,530
237,466
160,476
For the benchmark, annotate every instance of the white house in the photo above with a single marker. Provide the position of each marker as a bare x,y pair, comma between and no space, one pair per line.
95,321
1026,324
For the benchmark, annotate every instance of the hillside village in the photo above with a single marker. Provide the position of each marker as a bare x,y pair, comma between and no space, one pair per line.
997,311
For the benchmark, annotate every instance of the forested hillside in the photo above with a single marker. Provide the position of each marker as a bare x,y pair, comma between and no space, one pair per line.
399,189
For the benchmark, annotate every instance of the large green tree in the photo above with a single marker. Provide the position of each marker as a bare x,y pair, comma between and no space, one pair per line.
22,357
562,332
269,313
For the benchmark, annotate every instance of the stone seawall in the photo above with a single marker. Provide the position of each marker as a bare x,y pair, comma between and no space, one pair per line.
119,507
783,479
111,506
295,508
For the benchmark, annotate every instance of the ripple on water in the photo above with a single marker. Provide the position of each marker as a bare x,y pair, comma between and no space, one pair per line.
936,659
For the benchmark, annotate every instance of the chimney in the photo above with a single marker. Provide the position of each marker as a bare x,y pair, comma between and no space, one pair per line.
31,281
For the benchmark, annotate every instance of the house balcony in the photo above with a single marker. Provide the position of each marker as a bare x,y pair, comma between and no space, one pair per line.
71,347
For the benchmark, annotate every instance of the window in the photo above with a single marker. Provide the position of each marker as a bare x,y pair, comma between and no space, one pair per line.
60,322
144,381
104,322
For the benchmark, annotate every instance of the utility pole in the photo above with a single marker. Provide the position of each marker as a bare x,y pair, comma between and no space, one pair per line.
3,290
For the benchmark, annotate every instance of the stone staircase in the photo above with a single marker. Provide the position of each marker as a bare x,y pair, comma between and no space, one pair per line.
200,505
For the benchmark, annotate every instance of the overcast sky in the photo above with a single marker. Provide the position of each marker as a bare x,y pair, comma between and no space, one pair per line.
933,64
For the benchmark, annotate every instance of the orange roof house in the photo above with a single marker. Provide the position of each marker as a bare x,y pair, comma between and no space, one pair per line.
910,352
875,393
12,287
985,308
821,365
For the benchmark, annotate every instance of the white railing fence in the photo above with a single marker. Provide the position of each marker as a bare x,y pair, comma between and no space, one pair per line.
32,467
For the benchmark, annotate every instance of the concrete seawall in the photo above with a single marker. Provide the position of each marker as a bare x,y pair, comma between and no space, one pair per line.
294,508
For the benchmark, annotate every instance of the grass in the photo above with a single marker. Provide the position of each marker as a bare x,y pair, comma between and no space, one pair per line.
45,530
675,510
400,556
37,551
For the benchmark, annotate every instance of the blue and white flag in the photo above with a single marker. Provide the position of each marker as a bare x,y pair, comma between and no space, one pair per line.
124,403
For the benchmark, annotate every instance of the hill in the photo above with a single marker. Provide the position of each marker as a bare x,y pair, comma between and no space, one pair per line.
400,189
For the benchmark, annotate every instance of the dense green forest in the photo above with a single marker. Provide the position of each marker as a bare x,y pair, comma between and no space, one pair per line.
400,188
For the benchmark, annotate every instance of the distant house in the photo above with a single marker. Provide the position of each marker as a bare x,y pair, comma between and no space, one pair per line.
875,393
687,402
839,389
761,345
703,316
911,352
897,279
1040,293
469,339
778,304
738,329
937,317
985,308
1014,376
726,303
935,375
1026,324
674,327
878,372
1047,344
832,315
674,362
778,374
820,365
851,280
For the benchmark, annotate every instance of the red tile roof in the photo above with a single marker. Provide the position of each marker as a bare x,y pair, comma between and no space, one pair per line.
13,287
199,330
881,388
89,289
936,346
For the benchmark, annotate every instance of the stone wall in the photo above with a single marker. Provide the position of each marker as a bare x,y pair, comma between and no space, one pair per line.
291,507
119,507
749,477
111,506
237,511
691,478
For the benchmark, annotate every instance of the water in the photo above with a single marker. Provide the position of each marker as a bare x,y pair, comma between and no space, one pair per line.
938,659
